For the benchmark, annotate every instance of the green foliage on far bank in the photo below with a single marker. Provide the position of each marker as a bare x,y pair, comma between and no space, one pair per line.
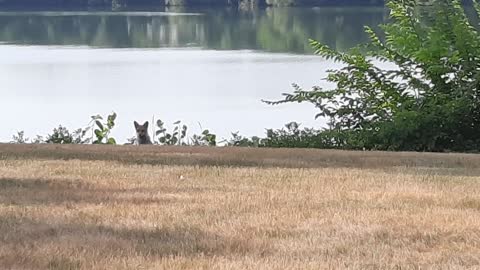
272,29
243,4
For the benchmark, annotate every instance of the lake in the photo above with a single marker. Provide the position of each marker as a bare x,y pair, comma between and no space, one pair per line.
208,68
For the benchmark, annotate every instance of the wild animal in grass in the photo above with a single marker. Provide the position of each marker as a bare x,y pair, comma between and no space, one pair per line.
142,133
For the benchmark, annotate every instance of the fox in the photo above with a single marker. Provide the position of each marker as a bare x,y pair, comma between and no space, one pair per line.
142,133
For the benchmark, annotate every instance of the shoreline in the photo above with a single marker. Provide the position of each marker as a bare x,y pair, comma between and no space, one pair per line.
128,4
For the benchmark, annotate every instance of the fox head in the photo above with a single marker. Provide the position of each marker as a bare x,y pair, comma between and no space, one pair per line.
142,130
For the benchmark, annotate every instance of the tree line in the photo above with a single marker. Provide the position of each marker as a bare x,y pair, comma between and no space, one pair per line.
134,3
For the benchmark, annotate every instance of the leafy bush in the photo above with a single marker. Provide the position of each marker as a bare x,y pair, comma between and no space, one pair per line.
238,140
293,137
176,137
80,136
102,130
19,138
429,102
206,138
60,135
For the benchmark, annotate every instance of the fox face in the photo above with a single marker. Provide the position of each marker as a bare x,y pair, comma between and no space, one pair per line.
142,133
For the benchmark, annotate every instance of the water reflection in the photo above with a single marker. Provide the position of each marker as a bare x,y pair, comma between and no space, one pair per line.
274,29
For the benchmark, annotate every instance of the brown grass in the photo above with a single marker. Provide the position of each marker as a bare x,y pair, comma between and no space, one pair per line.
94,207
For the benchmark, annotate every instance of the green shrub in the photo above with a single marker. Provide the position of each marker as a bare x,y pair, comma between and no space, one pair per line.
102,130
176,137
429,102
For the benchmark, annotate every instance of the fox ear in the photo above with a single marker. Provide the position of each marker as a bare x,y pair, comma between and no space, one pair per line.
145,124
136,124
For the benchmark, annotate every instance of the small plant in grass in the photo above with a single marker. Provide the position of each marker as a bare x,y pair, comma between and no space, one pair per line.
60,135
131,140
102,130
206,138
241,141
80,136
38,139
19,138
176,137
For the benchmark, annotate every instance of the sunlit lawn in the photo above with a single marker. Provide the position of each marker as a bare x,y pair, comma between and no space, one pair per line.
125,207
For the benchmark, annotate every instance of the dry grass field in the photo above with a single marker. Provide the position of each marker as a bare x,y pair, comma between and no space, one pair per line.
126,207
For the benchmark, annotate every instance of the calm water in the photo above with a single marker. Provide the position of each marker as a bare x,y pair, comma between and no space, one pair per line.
204,66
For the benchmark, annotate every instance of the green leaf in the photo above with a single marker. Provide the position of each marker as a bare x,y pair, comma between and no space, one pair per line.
160,123
112,117
111,141
111,120
99,134
99,125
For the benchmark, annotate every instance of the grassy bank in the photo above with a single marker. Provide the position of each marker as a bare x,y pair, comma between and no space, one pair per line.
125,207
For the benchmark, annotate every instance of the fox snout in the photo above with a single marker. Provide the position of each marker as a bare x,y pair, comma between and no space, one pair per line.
141,132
